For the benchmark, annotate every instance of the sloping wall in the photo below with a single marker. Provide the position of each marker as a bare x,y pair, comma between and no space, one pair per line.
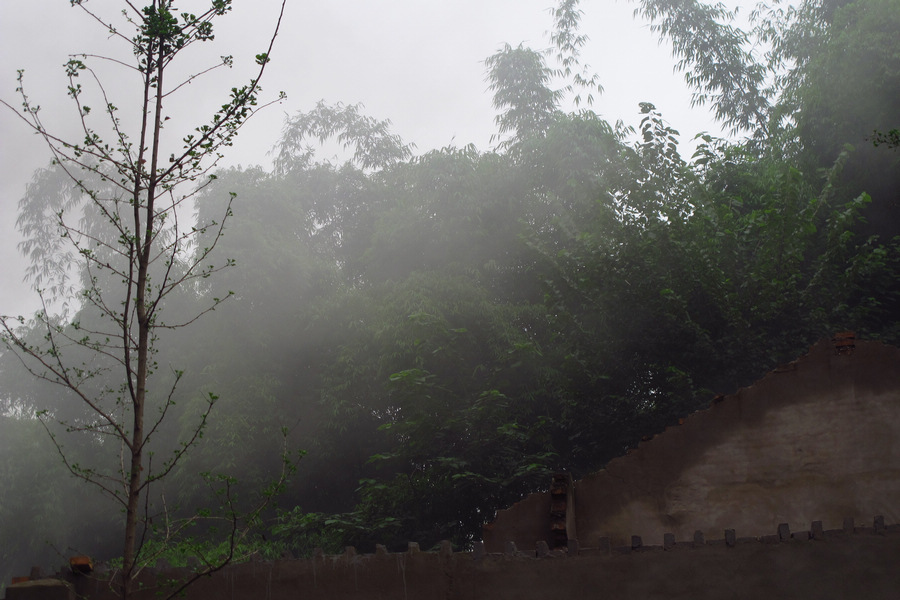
820,436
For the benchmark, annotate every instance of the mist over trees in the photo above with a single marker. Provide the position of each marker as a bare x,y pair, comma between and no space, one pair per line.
442,330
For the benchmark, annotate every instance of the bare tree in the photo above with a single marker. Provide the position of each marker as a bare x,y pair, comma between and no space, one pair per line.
126,229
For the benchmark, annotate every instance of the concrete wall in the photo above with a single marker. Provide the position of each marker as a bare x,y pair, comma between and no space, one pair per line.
820,436
826,565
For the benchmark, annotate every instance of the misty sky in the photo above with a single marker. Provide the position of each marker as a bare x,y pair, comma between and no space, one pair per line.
418,63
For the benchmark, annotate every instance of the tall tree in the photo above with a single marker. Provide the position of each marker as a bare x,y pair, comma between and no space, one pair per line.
843,92
125,225
520,80
715,58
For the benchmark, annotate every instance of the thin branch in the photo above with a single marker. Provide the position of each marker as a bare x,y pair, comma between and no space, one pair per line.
235,105
192,78
83,475
108,26
109,59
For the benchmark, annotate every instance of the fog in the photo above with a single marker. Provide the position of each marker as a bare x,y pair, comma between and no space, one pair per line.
489,284
419,64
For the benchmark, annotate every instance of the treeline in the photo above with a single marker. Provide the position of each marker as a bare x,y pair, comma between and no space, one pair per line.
440,332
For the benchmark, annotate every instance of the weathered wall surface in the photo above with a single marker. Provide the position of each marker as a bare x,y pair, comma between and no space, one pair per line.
860,563
820,436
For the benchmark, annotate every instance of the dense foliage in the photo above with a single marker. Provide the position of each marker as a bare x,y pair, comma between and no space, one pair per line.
443,331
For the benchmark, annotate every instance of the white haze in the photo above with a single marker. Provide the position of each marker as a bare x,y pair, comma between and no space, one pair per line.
418,63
